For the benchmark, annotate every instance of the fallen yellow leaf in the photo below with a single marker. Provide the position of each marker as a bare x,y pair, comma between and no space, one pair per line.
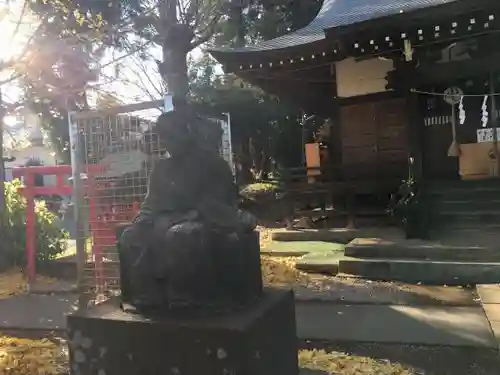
14,283
31,357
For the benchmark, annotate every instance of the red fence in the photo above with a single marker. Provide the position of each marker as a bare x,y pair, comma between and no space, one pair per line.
101,230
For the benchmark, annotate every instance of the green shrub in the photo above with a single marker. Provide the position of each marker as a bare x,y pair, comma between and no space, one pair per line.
50,239
260,189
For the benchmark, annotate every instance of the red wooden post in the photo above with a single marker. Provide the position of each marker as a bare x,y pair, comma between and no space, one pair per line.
29,183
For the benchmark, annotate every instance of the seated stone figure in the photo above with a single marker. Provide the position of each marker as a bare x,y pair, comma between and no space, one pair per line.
190,247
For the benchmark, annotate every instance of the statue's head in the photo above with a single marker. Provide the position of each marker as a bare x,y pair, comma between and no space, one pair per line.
183,131
173,130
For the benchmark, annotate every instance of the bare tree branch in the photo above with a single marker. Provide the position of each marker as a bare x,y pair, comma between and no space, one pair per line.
207,33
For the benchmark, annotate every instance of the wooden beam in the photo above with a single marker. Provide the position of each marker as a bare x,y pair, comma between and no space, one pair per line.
428,73
415,18
369,98
85,115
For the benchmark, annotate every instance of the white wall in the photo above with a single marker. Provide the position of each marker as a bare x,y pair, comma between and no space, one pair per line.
43,153
355,78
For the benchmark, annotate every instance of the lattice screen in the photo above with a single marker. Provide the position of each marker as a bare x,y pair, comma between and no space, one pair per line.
117,153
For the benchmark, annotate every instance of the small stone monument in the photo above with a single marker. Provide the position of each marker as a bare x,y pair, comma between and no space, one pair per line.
192,299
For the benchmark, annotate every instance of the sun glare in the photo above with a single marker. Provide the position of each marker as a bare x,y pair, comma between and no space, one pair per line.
10,120
15,29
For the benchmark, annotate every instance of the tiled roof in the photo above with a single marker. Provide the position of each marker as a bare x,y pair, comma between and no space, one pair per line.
337,13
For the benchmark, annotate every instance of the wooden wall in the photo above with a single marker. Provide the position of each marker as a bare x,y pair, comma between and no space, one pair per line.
374,139
358,78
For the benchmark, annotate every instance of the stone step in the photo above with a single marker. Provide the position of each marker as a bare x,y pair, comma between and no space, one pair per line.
422,271
300,248
458,230
339,235
464,185
450,205
461,228
420,250
476,193
465,219
326,263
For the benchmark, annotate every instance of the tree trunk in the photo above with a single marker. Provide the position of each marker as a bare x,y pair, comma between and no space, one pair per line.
177,38
175,73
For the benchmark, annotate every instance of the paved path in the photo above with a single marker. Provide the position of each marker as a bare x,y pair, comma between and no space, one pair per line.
36,312
490,299
427,325
360,291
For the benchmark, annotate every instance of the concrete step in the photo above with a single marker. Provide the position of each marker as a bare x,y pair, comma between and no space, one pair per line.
457,205
300,248
325,263
422,271
475,194
420,250
465,219
339,235
460,229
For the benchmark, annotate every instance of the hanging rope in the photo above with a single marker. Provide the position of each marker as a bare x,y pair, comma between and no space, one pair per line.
443,94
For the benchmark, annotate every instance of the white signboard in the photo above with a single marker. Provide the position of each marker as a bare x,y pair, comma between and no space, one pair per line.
452,95
118,164
487,135
226,145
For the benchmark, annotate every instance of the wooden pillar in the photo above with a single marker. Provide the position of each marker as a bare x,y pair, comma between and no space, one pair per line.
494,121
336,130
418,228
414,118
336,151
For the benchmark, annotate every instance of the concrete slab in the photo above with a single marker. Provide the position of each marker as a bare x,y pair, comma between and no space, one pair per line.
489,294
492,311
495,327
461,326
450,326
490,300
53,287
360,291
299,248
425,271
419,249
341,235
327,263
36,312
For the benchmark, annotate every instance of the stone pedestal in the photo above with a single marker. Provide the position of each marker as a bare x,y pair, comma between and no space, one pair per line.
260,340
234,267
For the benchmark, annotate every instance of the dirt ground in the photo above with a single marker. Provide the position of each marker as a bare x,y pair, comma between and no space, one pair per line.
48,356
384,359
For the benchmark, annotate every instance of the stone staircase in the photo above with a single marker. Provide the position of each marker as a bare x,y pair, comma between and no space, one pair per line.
464,209
416,261
378,254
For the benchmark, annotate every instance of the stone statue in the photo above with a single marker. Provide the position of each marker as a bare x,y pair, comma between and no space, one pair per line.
190,247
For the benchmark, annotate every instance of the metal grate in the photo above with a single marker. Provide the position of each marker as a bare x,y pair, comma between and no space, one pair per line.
115,154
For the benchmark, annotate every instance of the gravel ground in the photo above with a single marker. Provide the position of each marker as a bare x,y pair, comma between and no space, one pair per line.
281,273
48,356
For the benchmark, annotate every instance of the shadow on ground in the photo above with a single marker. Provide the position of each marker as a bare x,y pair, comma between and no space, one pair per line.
421,360
305,371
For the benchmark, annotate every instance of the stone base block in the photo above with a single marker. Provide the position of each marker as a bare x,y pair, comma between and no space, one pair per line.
261,340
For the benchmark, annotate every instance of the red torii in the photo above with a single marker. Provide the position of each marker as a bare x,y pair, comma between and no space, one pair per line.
30,191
